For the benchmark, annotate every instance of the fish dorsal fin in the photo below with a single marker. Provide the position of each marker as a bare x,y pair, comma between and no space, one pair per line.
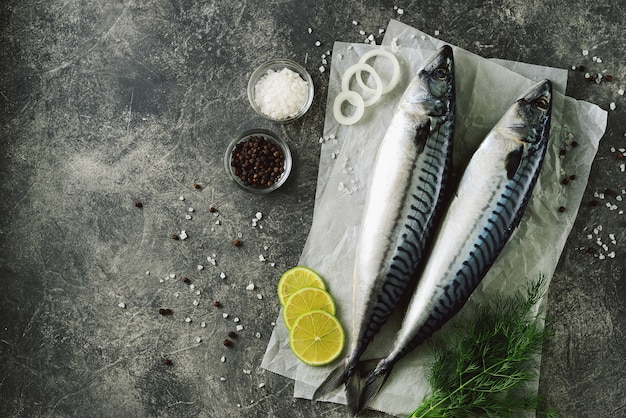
421,135
513,161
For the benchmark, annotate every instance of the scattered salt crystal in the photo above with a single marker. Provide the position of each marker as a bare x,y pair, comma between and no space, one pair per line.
176,294
187,320
161,280
200,267
211,260
611,254
246,371
381,30
224,315
147,272
250,286
223,379
190,209
261,257
222,275
370,37
239,327
274,264
223,359
121,305
257,334
361,32
259,296
258,215
217,222
236,320
273,323
354,22
261,385
310,30
181,198
620,92
195,303
585,52
198,339
317,43
198,292
183,235
436,33
203,324
188,217
612,106
192,286
400,11
322,69
172,276
340,56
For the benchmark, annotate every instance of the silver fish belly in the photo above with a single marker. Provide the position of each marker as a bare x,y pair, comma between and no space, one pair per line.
488,205
405,194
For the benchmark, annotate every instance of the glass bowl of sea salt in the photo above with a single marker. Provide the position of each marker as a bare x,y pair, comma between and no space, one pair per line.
280,90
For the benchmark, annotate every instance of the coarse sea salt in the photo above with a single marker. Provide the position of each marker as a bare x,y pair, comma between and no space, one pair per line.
281,94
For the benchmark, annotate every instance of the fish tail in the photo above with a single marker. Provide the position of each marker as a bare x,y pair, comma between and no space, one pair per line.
346,373
373,383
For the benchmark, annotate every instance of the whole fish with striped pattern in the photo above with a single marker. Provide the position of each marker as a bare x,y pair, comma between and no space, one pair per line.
489,203
405,194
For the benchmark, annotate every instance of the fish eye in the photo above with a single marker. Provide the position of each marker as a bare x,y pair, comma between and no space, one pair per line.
541,103
440,73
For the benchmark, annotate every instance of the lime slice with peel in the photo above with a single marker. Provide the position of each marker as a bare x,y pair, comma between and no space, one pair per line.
317,338
305,300
295,279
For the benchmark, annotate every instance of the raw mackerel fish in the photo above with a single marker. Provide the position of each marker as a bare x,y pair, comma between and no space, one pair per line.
405,194
488,205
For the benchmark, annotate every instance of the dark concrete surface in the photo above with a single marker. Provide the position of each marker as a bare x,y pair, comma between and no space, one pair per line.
104,103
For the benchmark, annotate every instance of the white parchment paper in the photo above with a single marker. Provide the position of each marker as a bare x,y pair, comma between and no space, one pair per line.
485,89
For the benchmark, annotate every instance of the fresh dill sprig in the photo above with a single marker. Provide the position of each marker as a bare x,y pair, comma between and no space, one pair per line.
485,368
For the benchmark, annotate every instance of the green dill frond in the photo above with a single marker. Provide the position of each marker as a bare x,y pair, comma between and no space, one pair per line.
483,368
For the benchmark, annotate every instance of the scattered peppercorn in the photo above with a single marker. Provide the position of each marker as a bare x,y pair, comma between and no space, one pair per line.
236,243
196,186
217,304
227,342
258,161
609,192
589,250
581,68
574,144
608,77
572,177
175,237
594,203
186,280
233,335
165,311
620,156
138,204
212,209
562,209
167,361
562,152
565,181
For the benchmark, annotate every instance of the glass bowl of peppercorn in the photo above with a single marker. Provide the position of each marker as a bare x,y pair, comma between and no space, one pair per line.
280,90
258,161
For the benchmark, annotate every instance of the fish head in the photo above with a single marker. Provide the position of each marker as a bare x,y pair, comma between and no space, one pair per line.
431,92
528,121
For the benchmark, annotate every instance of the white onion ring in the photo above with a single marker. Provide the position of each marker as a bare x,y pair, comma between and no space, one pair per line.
395,78
355,100
358,68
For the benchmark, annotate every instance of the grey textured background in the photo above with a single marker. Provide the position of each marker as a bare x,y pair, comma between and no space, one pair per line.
104,103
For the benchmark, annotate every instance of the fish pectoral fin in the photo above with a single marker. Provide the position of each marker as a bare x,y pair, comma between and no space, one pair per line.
512,162
422,133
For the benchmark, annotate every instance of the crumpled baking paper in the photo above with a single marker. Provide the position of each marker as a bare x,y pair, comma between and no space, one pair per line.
485,89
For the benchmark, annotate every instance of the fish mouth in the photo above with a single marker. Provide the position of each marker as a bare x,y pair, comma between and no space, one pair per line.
539,95
441,59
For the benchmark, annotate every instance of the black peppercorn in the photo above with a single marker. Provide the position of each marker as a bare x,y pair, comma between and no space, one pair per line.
257,161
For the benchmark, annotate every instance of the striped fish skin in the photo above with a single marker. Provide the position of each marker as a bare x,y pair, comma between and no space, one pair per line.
489,203
405,193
